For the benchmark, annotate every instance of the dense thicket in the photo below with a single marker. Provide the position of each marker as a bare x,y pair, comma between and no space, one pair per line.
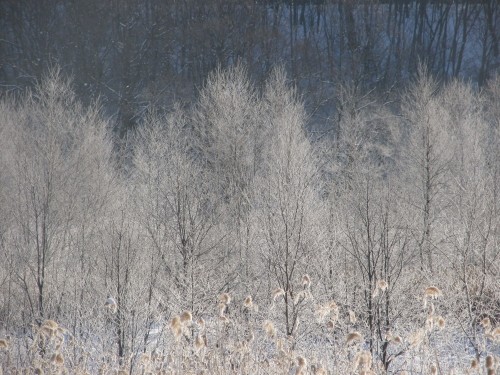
386,234
133,53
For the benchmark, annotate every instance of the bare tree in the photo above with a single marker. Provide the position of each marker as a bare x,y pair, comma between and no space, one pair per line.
287,205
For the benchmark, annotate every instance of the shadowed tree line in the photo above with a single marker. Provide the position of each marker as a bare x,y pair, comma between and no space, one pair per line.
132,53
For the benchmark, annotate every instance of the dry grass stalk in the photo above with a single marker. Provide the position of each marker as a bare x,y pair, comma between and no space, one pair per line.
57,359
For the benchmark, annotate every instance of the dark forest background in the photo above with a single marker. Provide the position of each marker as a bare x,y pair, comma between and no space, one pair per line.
134,53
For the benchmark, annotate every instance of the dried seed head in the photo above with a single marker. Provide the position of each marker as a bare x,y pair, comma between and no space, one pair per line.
474,364
306,281
433,292
248,303
277,293
50,324
490,361
111,304
186,318
354,337
397,340
269,328
201,323
176,326
175,322
433,369
382,285
57,359
352,317
441,322
365,360
486,323
4,344
330,325
199,342
47,331
302,362
225,298
496,333
491,371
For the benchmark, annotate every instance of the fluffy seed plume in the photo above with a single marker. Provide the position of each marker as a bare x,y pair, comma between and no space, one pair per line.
199,342
57,359
269,328
354,337
396,340
50,324
225,298
432,292
440,321
111,304
382,285
176,326
4,344
277,293
248,303
486,323
186,318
